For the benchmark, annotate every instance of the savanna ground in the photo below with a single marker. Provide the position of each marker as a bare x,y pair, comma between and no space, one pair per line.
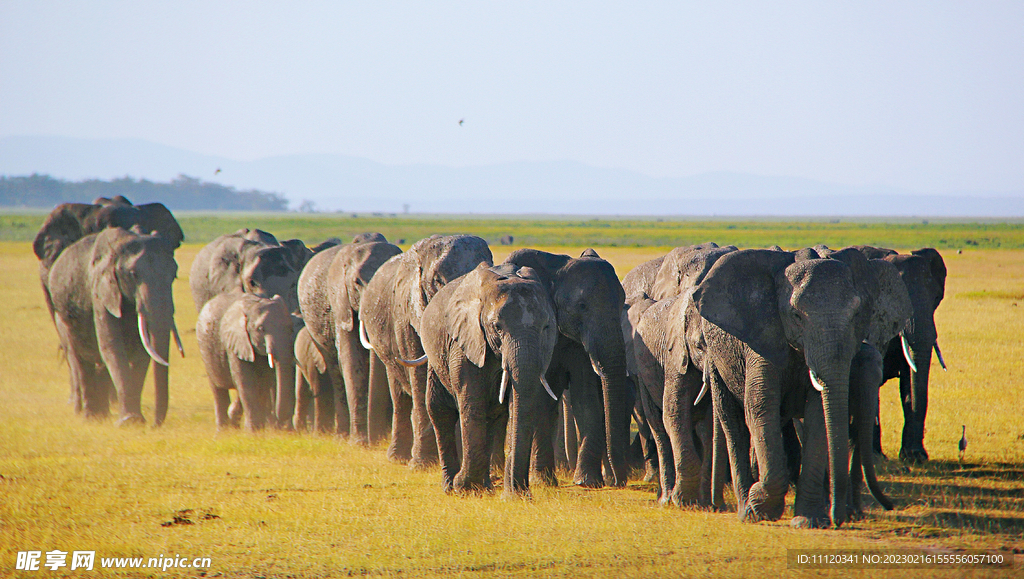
283,505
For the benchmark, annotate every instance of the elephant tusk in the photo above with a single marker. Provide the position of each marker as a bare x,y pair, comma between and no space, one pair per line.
703,384
594,366
547,387
177,338
815,382
906,352
414,363
362,337
504,383
270,360
145,343
938,353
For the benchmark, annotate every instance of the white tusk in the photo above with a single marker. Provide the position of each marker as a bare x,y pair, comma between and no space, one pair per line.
594,366
704,384
145,343
547,387
938,353
815,382
177,338
413,363
270,360
906,352
504,384
362,337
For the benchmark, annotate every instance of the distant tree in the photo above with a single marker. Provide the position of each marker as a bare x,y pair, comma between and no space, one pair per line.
183,192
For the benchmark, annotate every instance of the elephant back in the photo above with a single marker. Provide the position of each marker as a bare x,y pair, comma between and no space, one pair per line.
685,267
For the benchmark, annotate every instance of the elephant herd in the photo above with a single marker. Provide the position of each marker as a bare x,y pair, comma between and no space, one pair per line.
759,365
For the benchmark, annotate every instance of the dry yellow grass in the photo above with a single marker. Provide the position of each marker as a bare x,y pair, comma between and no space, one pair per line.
310,506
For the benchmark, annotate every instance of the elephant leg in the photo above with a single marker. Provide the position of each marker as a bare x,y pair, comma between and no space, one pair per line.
400,449
719,464
114,351
914,391
737,444
324,412
252,400
355,367
424,443
341,421
497,432
543,450
303,400
705,437
647,446
572,442
444,414
654,419
559,442
378,404
585,388
680,392
221,402
792,442
235,411
811,508
474,406
767,497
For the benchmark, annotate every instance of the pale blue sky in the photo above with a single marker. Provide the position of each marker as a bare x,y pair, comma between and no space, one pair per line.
927,96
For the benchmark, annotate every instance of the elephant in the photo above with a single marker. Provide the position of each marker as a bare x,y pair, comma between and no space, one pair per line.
247,344
489,337
589,361
390,310
666,341
69,222
781,330
330,288
251,261
113,310
314,394
924,273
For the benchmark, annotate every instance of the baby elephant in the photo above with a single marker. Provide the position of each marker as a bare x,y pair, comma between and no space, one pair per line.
489,337
247,344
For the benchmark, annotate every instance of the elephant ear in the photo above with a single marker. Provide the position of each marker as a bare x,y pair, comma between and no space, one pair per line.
678,357
156,217
892,308
739,295
464,313
306,349
235,333
938,268
61,228
104,262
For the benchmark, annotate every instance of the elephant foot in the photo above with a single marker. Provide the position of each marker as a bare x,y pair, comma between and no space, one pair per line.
650,474
466,486
360,441
763,507
818,522
588,480
399,456
913,455
546,477
131,420
424,463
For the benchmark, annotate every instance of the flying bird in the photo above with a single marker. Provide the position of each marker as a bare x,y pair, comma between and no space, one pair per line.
461,121
217,171
963,442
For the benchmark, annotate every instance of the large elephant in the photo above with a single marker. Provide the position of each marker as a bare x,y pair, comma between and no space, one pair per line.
113,309
589,361
924,274
247,344
489,336
666,340
390,310
330,288
69,222
782,330
251,261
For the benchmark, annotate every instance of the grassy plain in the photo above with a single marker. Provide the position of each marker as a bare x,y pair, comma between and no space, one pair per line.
289,505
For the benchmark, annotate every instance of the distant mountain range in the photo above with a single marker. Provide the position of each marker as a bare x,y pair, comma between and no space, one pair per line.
350,184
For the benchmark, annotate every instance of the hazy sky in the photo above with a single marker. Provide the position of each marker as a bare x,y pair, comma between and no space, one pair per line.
921,95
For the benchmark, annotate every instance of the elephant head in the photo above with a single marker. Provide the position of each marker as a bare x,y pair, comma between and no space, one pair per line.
820,310
512,317
260,328
351,269
685,267
438,260
131,275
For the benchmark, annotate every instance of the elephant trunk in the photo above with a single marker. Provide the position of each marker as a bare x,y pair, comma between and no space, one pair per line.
922,355
612,371
835,401
281,358
864,384
522,373
155,322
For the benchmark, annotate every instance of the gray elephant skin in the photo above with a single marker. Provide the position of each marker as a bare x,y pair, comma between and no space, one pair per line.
666,343
589,361
314,394
390,310
113,309
489,336
247,344
330,289
782,330
250,261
